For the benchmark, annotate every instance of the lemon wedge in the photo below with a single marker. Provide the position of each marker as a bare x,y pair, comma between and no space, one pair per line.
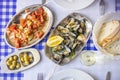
54,41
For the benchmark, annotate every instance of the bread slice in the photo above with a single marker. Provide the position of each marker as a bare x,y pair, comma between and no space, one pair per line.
113,48
108,32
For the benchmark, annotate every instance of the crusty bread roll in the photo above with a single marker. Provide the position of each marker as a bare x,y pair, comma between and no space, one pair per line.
109,33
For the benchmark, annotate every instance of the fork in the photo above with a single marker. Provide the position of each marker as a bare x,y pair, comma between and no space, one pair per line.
40,76
102,7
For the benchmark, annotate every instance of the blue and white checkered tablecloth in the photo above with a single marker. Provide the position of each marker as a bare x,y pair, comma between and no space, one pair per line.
7,10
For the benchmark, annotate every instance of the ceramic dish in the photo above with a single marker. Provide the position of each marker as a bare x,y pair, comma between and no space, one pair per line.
46,28
71,74
74,49
97,27
88,58
74,4
36,58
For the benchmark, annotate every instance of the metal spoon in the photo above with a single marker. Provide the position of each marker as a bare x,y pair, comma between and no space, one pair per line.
26,14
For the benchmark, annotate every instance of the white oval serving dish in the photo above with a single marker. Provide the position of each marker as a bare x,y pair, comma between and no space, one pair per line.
35,54
71,74
46,29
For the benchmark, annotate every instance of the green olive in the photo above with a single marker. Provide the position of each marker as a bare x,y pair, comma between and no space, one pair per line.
15,57
26,58
26,63
12,67
18,65
25,54
8,62
14,63
22,59
10,58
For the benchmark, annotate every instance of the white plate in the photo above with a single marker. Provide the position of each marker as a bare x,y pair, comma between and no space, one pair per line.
71,73
96,30
74,4
36,56
46,28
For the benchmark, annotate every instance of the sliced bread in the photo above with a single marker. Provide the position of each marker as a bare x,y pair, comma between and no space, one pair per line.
113,48
108,32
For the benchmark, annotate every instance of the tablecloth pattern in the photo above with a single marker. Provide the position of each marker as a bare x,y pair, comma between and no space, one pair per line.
7,10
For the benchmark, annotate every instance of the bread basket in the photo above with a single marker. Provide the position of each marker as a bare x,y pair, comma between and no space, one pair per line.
96,30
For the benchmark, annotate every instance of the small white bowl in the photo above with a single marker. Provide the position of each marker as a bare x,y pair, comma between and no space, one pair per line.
97,27
46,28
35,53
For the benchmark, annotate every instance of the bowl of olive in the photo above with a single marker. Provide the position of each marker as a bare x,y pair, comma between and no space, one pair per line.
20,60
13,62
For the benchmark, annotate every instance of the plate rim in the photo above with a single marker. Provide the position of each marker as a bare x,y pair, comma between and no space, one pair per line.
73,9
72,69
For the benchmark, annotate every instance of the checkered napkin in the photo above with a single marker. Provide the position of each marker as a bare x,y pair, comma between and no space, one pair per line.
7,10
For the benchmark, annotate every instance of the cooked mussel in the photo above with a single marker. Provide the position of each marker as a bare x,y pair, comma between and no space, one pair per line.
57,58
75,31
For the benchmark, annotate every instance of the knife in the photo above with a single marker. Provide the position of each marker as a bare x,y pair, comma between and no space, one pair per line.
102,7
108,75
